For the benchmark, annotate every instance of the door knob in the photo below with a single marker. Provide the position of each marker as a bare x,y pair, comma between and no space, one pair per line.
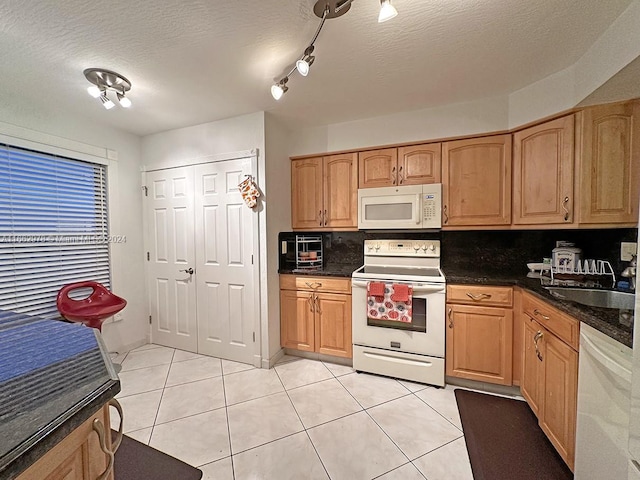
190,271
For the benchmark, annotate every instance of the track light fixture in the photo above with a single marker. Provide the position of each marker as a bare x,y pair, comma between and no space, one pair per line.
325,9
105,81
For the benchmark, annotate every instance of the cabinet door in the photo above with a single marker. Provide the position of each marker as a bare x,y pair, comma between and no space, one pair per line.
543,173
610,164
340,191
531,381
333,324
560,364
378,168
476,181
306,193
296,320
419,164
479,343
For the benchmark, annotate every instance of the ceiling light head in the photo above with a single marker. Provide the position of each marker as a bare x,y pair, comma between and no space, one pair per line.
279,89
387,11
123,101
94,91
106,101
303,67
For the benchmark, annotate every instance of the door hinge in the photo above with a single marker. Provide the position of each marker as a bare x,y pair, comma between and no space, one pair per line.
145,190
149,319
148,256
254,337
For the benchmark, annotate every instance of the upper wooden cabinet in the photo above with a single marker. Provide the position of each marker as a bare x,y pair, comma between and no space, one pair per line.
543,173
324,193
609,163
476,182
412,165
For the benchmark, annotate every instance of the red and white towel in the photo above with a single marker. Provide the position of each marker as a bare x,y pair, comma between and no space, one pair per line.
387,301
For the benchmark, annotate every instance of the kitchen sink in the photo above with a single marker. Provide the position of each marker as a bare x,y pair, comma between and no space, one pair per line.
594,297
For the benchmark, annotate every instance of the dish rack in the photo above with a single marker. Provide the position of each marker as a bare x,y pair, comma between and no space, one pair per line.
309,252
589,269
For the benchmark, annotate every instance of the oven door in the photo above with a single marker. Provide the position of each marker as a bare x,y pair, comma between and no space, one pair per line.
425,335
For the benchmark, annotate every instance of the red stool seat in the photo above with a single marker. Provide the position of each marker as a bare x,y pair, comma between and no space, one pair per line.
94,309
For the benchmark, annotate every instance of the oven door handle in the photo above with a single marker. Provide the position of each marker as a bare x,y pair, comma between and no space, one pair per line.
416,288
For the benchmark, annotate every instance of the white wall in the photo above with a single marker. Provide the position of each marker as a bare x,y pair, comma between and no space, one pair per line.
468,118
278,201
237,134
125,210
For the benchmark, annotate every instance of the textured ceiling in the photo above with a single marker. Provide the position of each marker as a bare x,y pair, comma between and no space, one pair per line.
196,61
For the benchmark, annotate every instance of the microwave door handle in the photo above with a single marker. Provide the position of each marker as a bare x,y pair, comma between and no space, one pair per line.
417,208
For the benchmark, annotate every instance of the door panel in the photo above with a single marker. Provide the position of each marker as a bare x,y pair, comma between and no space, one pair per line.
419,164
341,191
378,168
171,249
306,193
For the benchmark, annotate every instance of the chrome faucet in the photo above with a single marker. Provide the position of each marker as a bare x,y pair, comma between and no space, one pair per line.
630,272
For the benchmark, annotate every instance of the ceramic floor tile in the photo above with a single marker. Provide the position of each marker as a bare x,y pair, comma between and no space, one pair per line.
142,436
414,426
229,366
147,346
354,447
117,357
139,411
287,359
251,384
450,462
193,370
218,470
147,358
412,386
443,401
405,472
290,458
322,402
196,440
261,421
182,355
302,372
142,380
338,370
190,399
372,390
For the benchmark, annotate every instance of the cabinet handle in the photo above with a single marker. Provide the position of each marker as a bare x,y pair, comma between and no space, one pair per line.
446,217
310,302
98,427
317,304
477,298
565,201
313,284
449,312
536,338
400,177
325,218
115,404
537,312
393,176
320,217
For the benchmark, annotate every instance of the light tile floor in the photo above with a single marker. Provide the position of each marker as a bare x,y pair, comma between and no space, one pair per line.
303,419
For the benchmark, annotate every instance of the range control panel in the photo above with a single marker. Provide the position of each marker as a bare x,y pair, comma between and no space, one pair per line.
402,248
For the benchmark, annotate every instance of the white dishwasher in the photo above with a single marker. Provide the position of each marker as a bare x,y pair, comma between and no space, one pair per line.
604,390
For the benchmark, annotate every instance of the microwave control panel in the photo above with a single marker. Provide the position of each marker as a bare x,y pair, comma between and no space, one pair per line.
430,206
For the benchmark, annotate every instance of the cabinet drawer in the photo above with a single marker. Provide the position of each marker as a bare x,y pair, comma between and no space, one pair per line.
319,284
480,295
565,327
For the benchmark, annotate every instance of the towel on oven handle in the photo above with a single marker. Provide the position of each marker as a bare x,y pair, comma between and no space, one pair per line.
384,307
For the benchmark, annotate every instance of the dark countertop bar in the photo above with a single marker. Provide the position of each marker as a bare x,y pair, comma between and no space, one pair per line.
606,320
329,270
53,376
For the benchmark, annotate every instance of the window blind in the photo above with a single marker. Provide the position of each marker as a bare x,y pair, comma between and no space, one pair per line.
53,228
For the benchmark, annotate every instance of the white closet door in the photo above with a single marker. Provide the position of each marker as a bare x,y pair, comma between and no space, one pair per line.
226,287
172,290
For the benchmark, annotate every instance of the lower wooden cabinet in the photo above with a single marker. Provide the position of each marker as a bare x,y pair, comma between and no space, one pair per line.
549,382
480,333
315,314
79,456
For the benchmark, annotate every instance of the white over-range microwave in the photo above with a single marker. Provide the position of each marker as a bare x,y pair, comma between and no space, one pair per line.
399,208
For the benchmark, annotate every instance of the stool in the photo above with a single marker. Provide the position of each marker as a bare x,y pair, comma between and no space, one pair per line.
93,310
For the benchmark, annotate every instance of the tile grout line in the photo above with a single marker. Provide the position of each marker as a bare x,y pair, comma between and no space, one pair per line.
153,427
226,412
438,412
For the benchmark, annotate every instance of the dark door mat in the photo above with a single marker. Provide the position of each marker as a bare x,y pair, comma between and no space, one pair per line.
504,440
137,461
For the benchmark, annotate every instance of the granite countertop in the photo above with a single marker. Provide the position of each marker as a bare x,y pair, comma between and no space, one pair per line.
53,376
329,270
606,320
